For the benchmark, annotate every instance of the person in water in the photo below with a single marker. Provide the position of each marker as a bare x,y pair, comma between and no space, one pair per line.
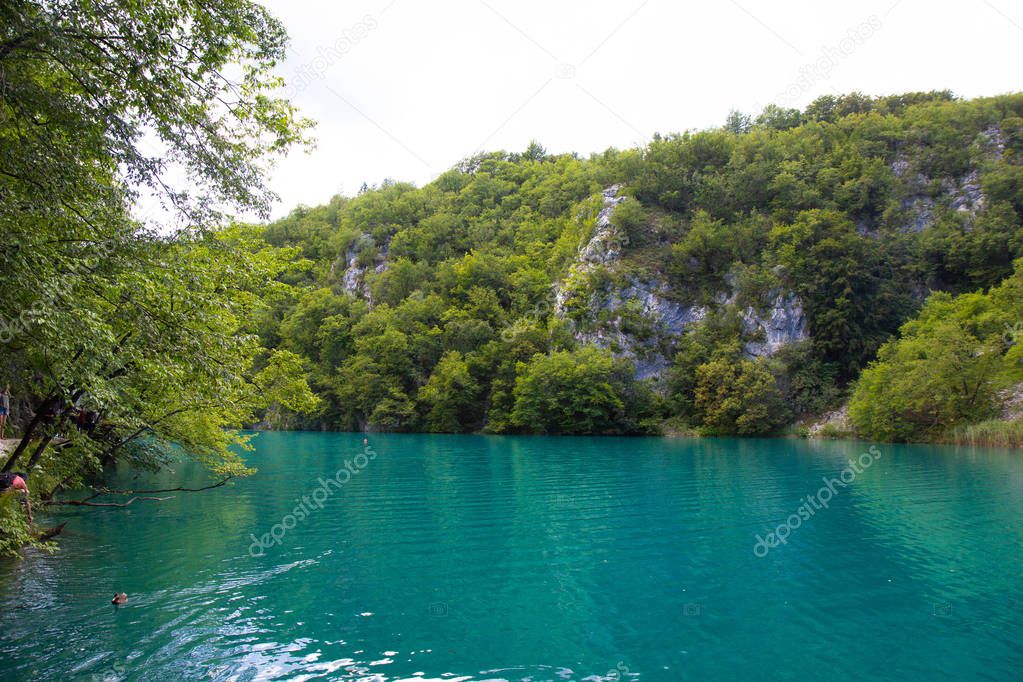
16,481
119,598
5,408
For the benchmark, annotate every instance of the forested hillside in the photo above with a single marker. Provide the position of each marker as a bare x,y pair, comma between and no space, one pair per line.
725,281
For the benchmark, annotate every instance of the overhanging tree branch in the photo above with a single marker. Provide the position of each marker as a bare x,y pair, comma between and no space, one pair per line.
137,495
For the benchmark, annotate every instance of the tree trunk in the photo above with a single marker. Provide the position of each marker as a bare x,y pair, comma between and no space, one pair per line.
39,451
30,430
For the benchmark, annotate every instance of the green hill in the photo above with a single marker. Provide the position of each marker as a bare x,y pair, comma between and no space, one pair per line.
728,281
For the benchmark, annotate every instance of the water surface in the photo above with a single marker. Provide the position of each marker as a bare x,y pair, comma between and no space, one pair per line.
496,558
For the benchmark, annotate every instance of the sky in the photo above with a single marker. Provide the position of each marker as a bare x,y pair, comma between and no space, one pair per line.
403,89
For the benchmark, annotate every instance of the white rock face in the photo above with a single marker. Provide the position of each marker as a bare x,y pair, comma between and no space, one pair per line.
1012,402
603,248
668,319
670,316
674,317
606,244
838,420
966,194
963,194
783,324
352,281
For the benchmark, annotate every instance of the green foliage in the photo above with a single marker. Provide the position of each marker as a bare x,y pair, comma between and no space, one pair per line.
775,117
700,260
738,123
925,384
450,397
738,396
945,368
1004,182
851,303
283,377
394,412
569,392
830,108
17,533
407,301
755,286
809,384
719,335
996,433
102,75
960,253
153,330
630,217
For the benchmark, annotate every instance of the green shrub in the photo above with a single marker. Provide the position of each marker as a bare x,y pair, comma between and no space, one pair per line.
568,392
945,369
738,397
16,532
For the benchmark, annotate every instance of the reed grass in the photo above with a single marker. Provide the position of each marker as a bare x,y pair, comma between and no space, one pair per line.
994,433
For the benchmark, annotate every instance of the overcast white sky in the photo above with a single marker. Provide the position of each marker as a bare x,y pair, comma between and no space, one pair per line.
404,89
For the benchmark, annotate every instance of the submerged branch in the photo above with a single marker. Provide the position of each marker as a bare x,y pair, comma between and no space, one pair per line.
108,491
86,503
138,495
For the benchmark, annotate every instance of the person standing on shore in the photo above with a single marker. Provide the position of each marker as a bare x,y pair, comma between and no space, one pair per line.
5,408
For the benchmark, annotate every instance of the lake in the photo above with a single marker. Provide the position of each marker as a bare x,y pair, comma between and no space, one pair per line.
504,558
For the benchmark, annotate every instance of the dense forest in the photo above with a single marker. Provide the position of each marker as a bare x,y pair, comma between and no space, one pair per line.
859,260
727,281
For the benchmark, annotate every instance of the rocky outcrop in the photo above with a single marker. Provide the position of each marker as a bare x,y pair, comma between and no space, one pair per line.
993,141
832,424
612,315
669,316
607,242
353,281
663,320
964,194
603,249
921,211
783,323
1011,400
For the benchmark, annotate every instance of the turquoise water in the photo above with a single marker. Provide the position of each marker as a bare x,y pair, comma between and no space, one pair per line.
475,558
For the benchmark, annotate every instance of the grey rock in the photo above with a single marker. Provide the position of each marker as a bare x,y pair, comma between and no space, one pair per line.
784,323
352,281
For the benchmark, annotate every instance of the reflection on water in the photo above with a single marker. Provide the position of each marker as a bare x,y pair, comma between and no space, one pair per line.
475,558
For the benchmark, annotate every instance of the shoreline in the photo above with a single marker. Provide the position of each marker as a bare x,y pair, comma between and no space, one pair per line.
669,434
